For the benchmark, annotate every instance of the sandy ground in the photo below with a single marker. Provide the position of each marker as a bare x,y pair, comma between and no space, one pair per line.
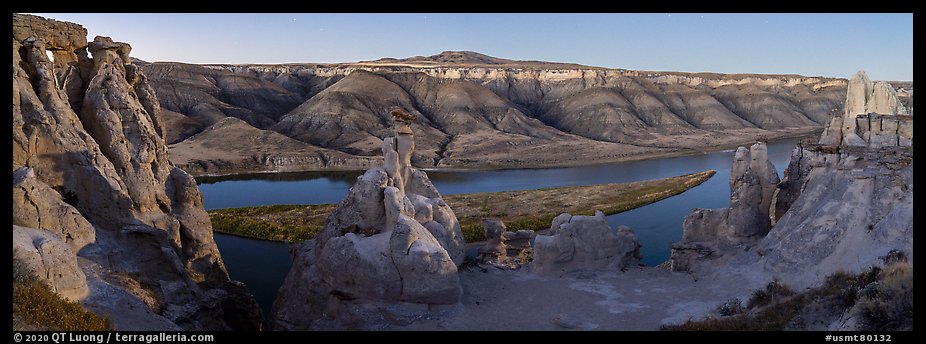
642,298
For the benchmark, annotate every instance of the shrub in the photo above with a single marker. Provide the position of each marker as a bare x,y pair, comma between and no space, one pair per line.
887,305
731,307
781,308
774,291
473,232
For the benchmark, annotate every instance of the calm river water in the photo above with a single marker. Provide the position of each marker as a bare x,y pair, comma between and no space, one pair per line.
263,265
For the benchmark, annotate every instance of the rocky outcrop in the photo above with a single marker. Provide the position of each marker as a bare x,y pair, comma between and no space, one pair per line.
854,207
864,96
90,168
392,242
584,243
874,116
842,207
504,249
708,233
475,110
51,260
790,187
40,206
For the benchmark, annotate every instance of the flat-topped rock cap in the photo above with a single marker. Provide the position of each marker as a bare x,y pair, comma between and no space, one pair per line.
400,114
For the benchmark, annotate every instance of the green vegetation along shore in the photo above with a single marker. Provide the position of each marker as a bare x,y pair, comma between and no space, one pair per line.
526,209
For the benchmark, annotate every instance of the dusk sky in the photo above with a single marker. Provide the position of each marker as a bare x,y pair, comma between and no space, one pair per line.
833,45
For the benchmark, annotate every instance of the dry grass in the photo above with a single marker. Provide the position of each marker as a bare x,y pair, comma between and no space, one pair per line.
36,307
773,292
526,209
884,298
888,304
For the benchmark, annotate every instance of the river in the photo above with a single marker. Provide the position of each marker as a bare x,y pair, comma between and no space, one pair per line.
263,265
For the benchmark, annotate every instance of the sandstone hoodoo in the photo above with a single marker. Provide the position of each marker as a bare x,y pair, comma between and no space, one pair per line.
707,233
504,249
584,243
98,210
874,117
845,204
390,249
855,185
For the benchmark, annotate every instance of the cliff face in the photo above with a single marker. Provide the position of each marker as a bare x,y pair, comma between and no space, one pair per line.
854,209
480,110
90,166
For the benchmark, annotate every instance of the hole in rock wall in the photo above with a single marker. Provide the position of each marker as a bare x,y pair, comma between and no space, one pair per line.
51,58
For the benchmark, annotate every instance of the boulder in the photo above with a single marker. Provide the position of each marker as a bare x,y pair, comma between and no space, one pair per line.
582,243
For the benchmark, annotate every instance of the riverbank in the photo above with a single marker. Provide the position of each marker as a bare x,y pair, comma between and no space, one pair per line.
658,152
525,209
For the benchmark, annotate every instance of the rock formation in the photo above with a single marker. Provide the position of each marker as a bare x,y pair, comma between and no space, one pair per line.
845,204
51,259
504,249
855,185
91,173
854,205
392,243
707,233
584,242
874,116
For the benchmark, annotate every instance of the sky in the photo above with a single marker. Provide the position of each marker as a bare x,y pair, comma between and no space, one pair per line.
832,45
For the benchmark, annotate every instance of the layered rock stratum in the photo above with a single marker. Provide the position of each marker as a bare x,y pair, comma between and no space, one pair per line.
875,116
477,110
99,212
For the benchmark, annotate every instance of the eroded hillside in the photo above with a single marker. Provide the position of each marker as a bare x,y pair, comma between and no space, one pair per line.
479,111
